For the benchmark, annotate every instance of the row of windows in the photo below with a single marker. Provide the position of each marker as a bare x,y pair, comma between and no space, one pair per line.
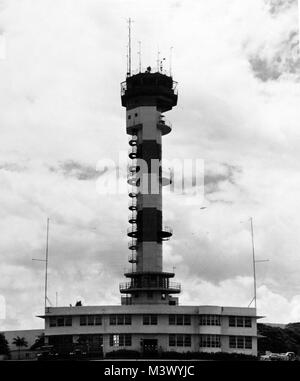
125,319
210,320
120,319
210,341
91,320
239,321
179,319
242,342
60,321
120,340
180,340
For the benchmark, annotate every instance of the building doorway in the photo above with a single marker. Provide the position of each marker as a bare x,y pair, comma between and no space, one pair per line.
150,346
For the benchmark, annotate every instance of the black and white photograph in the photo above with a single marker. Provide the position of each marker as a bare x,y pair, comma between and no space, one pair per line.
149,184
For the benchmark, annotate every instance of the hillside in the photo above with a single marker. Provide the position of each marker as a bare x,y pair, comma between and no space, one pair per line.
279,340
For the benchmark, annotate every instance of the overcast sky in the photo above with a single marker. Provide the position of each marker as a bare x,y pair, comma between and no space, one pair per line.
238,67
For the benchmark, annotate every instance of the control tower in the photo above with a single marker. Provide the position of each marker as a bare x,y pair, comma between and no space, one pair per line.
147,96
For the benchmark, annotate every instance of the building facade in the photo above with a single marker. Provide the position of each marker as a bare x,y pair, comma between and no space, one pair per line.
149,318
145,328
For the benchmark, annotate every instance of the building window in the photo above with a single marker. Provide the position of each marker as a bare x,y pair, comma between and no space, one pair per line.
120,340
231,321
248,342
68,321
98,320
240,321
149,319
210,341
172,340
187,340
112,319
172,319
180,340
136,114
210,320
120,319
82,320
179,319
187,319
61,321
129,116
90,320
240,342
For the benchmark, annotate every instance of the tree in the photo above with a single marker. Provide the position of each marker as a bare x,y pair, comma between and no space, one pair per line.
4,348
20,342
39,342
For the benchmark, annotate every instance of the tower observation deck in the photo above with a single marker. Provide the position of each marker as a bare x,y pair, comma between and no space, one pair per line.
146,97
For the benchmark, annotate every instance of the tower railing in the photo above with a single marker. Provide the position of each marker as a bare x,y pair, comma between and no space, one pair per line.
132,204
131,286
132,231
133,244
132,152
132,258
132,218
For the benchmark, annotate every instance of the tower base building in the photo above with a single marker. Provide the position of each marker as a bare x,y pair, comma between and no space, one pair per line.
149,319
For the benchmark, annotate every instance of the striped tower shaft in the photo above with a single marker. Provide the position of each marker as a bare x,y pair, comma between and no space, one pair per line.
149,199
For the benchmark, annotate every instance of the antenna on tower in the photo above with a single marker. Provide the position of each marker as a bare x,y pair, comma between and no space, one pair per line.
170,69
140,56
129,48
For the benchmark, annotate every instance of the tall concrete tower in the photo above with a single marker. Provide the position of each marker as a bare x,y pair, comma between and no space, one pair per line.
146,97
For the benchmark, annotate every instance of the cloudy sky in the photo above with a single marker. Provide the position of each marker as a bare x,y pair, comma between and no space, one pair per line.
238,68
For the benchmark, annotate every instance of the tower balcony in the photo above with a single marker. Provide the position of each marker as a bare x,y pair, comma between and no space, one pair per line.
164,126
168,287
132,152
166,233
133,180
133,194
132,204
133,231
133,141
133,167
132,258
133,244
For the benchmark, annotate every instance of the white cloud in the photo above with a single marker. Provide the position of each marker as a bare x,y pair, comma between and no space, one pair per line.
60,104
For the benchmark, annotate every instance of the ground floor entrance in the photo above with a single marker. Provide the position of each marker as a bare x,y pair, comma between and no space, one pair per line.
150,346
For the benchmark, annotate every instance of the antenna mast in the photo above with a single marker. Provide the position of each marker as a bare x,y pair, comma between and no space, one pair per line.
170,69
129,47
140,56
254,263
46,263
158,54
